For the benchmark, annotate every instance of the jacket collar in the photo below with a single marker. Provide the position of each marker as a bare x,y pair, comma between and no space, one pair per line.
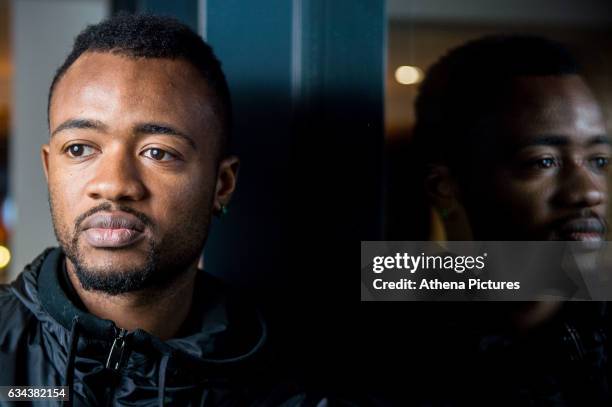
55,301
223,329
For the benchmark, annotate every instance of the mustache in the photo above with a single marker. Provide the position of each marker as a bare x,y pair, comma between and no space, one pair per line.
107,207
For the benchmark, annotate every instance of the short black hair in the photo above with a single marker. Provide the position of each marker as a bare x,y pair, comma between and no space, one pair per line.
151,36
469,83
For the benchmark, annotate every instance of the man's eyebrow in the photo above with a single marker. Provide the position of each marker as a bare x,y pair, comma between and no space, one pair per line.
600,139
556,140
79,124
156,128
547,140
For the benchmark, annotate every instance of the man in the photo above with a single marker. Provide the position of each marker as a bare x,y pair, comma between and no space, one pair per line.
516,148
515,143
513,146
137,163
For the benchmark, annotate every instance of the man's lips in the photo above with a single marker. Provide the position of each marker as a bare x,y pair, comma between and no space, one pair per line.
582,229
112,230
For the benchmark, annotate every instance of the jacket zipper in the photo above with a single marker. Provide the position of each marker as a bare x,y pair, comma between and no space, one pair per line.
575,339
117,352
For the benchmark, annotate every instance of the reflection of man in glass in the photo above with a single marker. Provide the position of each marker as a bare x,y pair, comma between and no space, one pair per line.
515,142
515,148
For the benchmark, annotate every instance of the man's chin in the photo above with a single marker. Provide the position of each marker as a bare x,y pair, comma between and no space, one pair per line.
114,271
114,280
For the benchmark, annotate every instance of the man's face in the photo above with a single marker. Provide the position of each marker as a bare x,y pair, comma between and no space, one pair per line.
549,170
133,169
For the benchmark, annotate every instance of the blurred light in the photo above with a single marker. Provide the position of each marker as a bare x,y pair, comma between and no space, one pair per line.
9,213
408,75
5,257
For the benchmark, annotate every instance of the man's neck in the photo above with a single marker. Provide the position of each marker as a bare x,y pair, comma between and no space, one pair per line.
160,312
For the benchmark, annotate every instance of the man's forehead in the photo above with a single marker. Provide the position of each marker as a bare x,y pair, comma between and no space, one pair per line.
553,107
119,69
552,94
107,86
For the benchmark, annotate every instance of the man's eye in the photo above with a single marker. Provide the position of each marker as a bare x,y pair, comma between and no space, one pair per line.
547,162
601,162
79,150
158,154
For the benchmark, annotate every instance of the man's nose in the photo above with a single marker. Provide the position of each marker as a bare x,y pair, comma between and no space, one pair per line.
581,187
117,177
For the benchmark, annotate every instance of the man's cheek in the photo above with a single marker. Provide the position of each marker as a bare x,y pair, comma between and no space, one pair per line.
187,194
185,209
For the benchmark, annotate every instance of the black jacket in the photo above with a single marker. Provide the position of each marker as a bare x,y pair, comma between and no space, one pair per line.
46,340
465,354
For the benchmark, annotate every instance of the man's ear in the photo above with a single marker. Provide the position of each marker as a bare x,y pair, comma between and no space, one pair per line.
227,177
44,157
442,189
445,195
